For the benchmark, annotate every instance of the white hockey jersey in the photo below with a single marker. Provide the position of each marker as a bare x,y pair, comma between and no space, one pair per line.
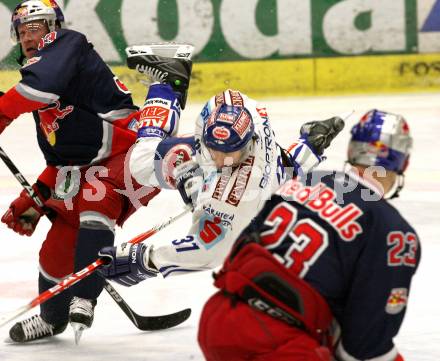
227,201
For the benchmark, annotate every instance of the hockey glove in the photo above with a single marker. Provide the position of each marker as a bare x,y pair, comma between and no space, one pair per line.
24,214
127,263
320,134
189,180
159,117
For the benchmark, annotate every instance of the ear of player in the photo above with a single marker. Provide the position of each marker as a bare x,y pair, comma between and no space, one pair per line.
164,63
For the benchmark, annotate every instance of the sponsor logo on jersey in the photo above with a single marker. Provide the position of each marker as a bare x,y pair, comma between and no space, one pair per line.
121,86
211,230
221,186
242,124
396,300
31,61
155,113
221,133
268,154
49,118
240,184
225,217
321,199
48,39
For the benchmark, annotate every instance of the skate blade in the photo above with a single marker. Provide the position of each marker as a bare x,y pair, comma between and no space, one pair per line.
78,329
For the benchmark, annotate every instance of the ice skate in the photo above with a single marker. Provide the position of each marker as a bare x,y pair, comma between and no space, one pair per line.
81,315
34,328
164,63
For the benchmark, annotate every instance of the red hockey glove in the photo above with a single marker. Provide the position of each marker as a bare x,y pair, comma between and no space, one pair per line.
23,213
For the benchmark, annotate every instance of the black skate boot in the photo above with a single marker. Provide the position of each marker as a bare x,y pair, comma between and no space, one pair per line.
81,315
34,328
164,63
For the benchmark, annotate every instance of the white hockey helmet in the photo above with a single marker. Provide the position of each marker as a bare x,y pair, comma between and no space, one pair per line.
31,10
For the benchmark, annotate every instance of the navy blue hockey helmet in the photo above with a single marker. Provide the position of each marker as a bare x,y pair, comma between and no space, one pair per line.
381,139
31,10
229,128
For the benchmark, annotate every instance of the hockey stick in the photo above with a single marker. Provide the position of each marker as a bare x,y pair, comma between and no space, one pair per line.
144,323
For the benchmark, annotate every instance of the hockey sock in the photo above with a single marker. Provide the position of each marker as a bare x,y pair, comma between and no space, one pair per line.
55,310
89,242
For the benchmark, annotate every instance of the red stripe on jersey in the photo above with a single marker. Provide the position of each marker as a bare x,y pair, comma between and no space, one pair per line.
12,104
49,176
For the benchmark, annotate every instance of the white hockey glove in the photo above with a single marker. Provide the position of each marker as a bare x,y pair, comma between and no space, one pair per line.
128,264
189,181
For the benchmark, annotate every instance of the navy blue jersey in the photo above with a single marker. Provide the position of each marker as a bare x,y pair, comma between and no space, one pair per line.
87,106
353,247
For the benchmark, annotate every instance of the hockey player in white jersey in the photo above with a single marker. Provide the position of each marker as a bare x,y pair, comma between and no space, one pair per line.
225,172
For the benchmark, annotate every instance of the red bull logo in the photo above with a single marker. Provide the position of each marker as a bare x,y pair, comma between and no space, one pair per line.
20,13
50,3
379,148
49,117
397,300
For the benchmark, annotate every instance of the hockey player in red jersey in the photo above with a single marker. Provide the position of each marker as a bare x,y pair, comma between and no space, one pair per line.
324,271
85,124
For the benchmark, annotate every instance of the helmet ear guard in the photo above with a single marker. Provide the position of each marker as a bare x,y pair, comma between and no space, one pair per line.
32,10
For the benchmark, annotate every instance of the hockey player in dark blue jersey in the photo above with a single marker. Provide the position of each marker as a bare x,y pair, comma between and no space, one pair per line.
324,271
85,121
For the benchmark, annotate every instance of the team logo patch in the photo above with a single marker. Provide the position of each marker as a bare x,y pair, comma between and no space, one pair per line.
48,39
121,86
49,118
211,231
221,133
397,300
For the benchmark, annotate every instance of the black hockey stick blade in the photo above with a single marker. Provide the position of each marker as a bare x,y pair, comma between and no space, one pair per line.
148,323
155,323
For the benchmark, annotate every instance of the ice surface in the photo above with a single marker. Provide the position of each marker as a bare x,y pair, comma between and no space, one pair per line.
113,337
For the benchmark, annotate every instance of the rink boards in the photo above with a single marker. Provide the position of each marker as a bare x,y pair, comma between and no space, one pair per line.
291,77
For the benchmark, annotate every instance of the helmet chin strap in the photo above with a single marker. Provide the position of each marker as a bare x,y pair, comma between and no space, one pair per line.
396,188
